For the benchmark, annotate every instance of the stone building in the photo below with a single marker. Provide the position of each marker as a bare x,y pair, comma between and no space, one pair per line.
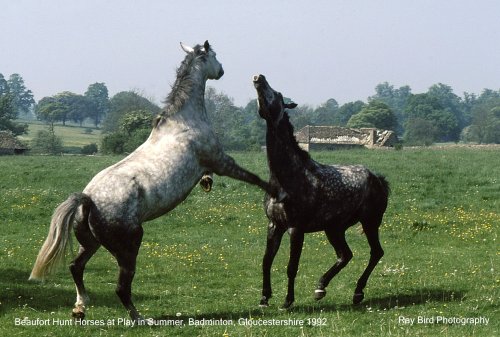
332,137
9,144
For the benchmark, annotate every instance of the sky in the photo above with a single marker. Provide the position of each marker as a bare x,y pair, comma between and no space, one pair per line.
310,51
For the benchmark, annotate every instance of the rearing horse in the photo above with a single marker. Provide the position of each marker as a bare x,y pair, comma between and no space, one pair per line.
148,183
318,198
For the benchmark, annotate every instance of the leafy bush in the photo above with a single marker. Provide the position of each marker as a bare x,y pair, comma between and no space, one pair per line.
113,143
47,142
89,149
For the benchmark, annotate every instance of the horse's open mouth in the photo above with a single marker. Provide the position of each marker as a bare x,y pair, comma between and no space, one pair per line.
258,81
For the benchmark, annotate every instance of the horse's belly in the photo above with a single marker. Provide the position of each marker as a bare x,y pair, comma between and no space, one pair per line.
136,191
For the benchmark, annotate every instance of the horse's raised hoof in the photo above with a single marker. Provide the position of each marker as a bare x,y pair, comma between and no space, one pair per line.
319,294
357,298
78,313
206,183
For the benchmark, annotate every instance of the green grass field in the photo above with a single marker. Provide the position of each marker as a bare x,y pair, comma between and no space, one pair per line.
203,259
73,136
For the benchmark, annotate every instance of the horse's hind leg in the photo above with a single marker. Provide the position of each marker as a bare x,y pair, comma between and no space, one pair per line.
376,253
344,255
126,256
88,246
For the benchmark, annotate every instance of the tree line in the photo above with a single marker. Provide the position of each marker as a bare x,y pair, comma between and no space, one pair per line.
438,115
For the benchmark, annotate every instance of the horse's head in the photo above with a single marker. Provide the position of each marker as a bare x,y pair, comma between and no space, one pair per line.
211,67
271,103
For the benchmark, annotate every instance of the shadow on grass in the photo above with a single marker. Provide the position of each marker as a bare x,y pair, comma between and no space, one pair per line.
18,292
415,298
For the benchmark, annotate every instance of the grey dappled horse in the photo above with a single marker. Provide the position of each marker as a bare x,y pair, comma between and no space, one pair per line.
318,198
148,183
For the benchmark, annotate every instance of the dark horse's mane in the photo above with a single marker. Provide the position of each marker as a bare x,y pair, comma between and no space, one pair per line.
289,131
182,86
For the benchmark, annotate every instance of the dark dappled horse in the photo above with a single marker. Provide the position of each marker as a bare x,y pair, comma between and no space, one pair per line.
318,198
148,183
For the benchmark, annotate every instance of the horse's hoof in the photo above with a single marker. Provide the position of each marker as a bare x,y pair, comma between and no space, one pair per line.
264,302
77,313
145,321
287,305
357,298
206,183
319,294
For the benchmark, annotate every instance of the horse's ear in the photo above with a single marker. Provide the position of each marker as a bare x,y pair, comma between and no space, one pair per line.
206,45
291,105
187,48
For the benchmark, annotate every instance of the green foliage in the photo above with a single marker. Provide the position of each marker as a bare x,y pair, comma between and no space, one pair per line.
8,110
90,149
485,127
46,142
134,128
22,97
98,102
123,103
426,107
114,143
347,110
396,99
420,132
375,115
135,120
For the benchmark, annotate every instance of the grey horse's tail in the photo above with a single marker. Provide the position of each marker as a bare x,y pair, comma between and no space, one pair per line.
54,248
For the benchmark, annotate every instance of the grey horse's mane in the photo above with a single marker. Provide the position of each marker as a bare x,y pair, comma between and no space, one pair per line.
181,89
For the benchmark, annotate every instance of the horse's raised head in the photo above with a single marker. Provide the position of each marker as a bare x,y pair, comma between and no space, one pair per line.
212,67
271,103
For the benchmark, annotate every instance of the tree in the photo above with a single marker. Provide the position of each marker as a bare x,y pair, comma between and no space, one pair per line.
396,99
227,120
420,131
22,98
485,126
78,108
50,110
375,115
47,142
133,130
427,107
8,112
97,95
326,113
450,102
347,110
123,103
135,120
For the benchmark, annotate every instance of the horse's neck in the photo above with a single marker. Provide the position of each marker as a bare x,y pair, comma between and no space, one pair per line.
287,162
194,107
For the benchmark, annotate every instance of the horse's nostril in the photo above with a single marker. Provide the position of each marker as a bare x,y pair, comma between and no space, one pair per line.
255,78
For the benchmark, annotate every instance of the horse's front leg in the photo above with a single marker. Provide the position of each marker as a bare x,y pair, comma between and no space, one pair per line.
226,166
274,236
296,242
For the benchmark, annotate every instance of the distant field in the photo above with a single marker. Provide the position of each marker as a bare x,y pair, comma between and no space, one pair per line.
72,135
202,260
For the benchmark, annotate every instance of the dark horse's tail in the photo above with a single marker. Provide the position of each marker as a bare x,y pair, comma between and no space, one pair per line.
54,248
384,184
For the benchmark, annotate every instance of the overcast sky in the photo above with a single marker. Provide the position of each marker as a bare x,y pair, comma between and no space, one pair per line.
309,50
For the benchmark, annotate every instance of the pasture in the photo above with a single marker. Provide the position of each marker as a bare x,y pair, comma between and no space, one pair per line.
201,263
